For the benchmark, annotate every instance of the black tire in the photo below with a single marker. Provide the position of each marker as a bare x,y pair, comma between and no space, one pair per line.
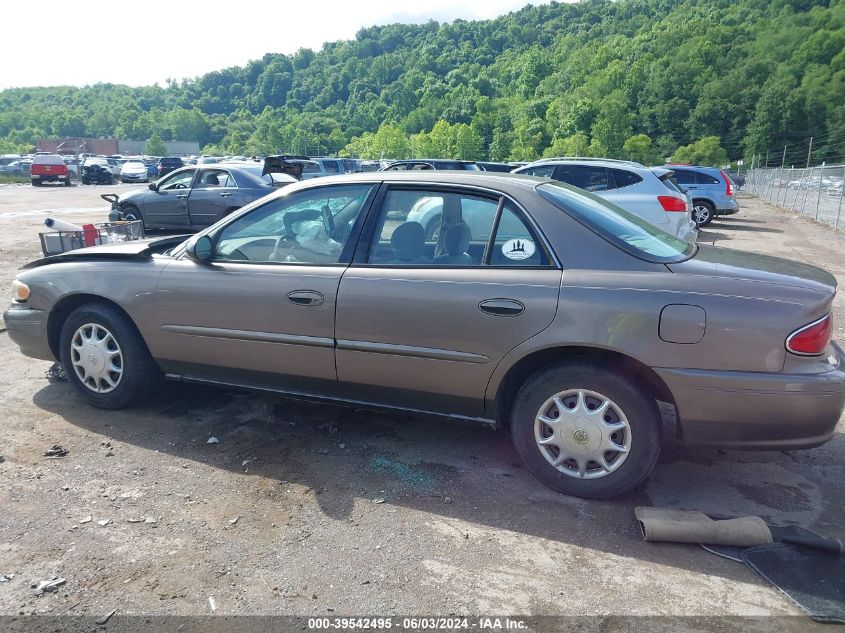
432,228
702,212
636,404
67,182
140,373
132,214
36,183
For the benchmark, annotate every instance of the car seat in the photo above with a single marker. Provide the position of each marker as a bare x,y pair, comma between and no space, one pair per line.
212,181
408,243
456,242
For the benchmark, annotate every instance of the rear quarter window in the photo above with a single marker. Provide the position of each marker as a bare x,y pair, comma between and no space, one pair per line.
625,230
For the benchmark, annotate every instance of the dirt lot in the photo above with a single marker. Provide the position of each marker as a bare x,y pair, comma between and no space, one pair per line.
319,510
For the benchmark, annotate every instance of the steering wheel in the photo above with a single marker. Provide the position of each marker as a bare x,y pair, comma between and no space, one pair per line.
328,220
276,255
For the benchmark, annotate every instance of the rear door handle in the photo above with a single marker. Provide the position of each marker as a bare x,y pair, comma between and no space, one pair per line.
306,297
502,307
182,195
225,194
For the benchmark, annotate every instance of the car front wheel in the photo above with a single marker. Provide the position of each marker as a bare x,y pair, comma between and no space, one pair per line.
105,358
131,213
586,431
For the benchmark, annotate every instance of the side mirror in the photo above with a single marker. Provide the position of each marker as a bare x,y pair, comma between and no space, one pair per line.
200,249
153,186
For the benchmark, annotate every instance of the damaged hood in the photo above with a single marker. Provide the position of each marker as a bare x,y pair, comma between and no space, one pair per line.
135,249
290,165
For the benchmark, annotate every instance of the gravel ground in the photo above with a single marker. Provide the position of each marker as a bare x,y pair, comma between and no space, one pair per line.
318,510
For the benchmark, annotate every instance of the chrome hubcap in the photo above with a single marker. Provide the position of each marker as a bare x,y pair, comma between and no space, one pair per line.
96,358
582,434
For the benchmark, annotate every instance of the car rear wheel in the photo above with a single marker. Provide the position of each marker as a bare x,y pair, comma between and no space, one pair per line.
105,358
702,213
586,431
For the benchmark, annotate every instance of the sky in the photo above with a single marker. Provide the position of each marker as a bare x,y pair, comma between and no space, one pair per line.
80,43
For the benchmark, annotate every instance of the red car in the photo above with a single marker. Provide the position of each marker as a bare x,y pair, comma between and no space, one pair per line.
49,168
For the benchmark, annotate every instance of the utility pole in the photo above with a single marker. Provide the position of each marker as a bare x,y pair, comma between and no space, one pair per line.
810,151
783,160
767,158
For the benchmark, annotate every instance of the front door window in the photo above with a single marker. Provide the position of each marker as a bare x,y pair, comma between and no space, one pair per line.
307,227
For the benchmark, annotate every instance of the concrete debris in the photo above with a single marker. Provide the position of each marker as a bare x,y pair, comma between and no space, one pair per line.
86,520
48,586
104,522
55,373
235,520
212,604
106,617
6,577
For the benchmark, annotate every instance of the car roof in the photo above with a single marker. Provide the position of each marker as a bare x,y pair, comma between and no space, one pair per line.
604,162
685,166
435,177
432,160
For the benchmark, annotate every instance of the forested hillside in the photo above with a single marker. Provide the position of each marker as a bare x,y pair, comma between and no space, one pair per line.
635,78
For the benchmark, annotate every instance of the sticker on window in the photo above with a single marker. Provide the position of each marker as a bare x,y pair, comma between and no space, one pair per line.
518,249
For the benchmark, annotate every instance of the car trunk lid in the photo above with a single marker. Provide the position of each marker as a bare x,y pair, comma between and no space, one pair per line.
711,261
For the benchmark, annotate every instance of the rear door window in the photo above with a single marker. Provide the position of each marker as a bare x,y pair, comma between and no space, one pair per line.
428,227
684,177
542,171
587,177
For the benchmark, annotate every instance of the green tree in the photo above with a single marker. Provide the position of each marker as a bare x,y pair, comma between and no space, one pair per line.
705,151
576,145
639,148
155,146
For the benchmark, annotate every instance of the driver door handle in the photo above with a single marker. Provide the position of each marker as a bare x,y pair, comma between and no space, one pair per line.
306,297
225,194
502,307
182,195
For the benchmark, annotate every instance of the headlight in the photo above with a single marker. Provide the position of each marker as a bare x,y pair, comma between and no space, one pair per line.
20,291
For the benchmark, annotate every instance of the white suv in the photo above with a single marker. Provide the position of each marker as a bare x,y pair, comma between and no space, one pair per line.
644,191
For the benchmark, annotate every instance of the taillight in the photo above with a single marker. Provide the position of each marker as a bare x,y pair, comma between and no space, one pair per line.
671,203
729,185
812,339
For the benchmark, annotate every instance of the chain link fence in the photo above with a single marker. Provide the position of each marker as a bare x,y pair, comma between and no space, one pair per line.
815,192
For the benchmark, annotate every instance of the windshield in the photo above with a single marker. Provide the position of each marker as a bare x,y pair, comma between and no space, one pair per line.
626,230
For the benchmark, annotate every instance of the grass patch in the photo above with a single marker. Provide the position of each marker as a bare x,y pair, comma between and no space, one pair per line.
8,179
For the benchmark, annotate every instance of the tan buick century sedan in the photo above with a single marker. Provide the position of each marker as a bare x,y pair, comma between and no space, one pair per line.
533,305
